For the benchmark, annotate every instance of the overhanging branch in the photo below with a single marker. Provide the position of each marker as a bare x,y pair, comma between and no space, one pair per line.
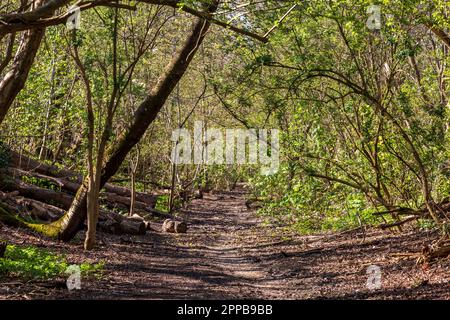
42,16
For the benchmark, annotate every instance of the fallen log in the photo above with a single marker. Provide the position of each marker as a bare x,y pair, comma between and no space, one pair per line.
110,226
170,226
160,214
124,201
131,226
105,215
180,227
68,178
398,223
109,221
48,196
439,252
61,199
25,163
148,199
39,210
60,182
136,217
72,187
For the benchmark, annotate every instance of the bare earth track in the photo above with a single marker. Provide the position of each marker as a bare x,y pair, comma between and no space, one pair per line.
228,253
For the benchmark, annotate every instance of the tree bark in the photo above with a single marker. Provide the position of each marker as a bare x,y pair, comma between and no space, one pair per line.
61,199
131,226
66,179
143,117
2,248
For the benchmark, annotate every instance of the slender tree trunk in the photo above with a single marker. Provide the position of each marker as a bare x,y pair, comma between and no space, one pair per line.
143,117
89,241
134,167
172,187
43,150
133,193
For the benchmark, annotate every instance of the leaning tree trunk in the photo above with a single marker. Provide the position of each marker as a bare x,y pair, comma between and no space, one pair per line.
72,222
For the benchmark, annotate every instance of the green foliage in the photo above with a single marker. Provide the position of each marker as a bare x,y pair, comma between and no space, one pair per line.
323,80
361,111
43,183
35,263
162,204
309,206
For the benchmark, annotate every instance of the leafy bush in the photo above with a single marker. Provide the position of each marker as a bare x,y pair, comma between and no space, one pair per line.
310,206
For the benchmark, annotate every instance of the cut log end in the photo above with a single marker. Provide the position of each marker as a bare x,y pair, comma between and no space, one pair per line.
180,227
170,226
131,226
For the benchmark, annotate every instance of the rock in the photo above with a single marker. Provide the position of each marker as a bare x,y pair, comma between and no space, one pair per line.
180,227
168,226
110,226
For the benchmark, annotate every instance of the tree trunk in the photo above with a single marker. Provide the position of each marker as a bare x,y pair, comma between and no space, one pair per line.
2,248
133,193
60,199
14,81
131,226
92,218
133,168
143,117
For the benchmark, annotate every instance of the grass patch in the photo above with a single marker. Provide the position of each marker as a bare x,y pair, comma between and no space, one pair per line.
36,263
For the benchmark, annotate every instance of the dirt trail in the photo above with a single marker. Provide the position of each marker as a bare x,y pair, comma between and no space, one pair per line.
228,253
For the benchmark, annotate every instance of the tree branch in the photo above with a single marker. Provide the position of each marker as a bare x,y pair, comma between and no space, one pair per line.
42,16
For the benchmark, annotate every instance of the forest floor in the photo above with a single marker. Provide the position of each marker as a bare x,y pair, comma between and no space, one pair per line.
230,253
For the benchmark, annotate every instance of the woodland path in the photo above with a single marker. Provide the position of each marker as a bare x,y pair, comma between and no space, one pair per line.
229,253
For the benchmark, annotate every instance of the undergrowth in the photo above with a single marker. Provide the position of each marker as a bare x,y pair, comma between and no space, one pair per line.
35,263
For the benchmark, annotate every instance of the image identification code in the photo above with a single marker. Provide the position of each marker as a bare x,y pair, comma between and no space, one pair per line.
226,309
